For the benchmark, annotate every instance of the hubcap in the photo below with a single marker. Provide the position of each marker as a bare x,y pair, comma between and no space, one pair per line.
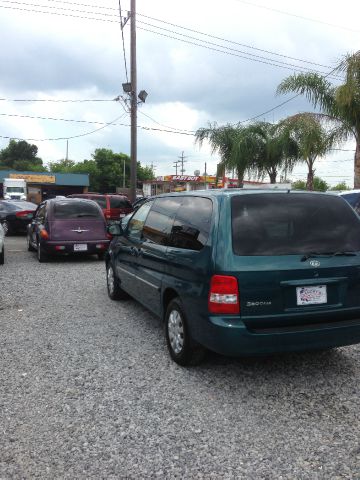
110,280
176,331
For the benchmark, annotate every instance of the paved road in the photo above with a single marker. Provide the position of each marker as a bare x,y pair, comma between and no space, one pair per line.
87,390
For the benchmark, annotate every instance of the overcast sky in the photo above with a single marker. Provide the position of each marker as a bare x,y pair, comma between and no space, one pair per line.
49,53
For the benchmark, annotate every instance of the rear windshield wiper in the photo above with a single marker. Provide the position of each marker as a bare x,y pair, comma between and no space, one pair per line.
327,255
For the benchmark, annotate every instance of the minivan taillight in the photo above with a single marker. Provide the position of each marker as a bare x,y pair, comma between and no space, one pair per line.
224,295
44,234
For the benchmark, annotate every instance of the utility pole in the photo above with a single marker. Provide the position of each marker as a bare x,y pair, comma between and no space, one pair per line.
67,150
182,160
205,177
133,81
176,163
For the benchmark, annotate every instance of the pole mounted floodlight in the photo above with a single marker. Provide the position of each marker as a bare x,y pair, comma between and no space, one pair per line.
142,95
127,87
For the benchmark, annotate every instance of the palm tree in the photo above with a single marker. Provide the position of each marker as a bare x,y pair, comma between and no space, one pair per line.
232,144
313,140
340,104
273,148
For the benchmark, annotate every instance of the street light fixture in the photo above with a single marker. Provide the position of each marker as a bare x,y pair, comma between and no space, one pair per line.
142,95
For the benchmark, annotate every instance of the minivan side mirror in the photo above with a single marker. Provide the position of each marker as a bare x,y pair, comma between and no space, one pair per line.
115,229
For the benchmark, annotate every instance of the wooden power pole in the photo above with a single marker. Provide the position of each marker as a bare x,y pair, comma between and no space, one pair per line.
133,80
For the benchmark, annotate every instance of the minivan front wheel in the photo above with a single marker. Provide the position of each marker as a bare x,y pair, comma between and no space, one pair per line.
183,349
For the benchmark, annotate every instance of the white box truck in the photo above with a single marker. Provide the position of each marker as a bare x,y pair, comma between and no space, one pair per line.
14,189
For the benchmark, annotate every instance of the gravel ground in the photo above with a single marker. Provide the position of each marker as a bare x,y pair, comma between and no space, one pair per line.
87,390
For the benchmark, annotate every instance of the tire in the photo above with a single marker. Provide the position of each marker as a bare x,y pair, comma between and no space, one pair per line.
41,255
6,227
182,348
114,290
29,246
2,256
101,255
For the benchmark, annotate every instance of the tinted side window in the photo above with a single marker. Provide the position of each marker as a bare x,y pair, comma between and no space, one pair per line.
75,209
192,223
158,224
40,214
288,224
120,202
136,223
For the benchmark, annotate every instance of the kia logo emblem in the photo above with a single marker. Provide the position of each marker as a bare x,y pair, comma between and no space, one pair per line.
314,263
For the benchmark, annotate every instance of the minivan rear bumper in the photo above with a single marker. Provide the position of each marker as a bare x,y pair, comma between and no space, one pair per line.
230,336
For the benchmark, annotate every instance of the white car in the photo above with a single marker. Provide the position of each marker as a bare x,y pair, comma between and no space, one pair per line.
2,247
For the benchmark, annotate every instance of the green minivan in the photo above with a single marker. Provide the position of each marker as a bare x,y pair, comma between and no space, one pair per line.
242,272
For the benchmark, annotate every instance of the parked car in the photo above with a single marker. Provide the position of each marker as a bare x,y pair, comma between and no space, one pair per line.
68,226
353,198
242,272
113,206
15,215
2,245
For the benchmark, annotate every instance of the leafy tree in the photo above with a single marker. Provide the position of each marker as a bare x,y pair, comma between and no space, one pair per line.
144,173
232,144
273,149
319,185
62,166
312,140
340,104
21,155
340,187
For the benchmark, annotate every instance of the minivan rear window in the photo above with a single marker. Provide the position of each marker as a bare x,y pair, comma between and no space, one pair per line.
75,209
120,202
291,223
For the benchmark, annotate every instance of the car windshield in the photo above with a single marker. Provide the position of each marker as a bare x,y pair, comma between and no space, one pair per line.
15,189
290,223
76,209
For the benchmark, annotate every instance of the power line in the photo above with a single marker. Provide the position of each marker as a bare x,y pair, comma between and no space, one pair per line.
228,53
123,42
298,16
63,138
88,122
166,126
223,48
198,31
53,100
251,55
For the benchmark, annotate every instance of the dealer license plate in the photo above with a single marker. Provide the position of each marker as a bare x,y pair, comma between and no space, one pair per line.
80,247
311,295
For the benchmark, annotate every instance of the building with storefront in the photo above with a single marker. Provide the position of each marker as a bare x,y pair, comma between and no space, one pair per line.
180,183
43,185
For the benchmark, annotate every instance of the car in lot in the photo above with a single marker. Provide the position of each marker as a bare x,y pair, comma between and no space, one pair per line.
68,226
114,206
2,245
353,198
15,215
242,272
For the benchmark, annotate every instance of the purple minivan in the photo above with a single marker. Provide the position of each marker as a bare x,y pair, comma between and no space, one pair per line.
68,226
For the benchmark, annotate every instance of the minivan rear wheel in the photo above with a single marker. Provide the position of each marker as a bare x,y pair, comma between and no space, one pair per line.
115,292
41,255
182,348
